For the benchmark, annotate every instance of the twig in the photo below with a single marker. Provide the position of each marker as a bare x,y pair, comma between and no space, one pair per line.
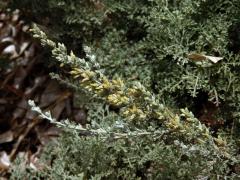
34,122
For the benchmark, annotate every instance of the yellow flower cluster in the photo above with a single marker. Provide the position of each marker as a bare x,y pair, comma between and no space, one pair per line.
174,123
133,112
86,75
117,100
135,103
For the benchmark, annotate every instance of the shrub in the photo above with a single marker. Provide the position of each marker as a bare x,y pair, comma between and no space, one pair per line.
151,60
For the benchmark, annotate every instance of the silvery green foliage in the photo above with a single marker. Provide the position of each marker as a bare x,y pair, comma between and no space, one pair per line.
135,157
149,41
102,128
132,158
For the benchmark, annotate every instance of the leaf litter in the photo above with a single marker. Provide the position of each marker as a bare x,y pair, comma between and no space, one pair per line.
23,76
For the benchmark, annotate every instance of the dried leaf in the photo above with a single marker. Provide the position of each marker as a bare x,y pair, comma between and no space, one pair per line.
4,161
6,137
201,57
23,47
196,57
214,59
50,94
11,49
58,109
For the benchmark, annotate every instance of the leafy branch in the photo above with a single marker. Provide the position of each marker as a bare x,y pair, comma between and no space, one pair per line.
136,103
